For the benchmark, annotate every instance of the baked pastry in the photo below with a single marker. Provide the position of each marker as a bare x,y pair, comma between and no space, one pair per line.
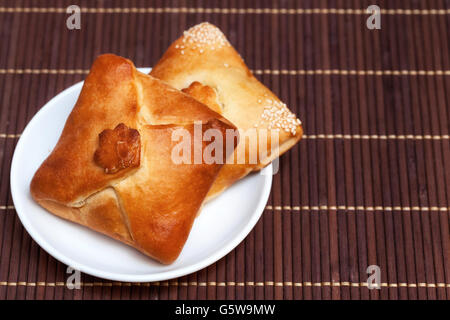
112,169
204,64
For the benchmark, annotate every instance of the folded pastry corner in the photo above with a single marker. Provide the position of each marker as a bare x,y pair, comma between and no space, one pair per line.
203,64
113,170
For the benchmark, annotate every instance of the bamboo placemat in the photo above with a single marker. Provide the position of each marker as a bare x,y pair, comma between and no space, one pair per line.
368,185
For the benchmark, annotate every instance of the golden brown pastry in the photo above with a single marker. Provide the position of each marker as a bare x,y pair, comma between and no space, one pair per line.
204,64
112,170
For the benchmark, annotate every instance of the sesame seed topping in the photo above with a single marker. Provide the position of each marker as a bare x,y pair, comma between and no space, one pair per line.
278,116
204,36
226,65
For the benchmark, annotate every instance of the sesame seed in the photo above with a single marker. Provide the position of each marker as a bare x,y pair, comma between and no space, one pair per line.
226,65
205,35
182,51
278,116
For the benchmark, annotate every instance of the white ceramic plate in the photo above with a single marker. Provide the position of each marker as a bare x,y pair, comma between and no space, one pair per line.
221,226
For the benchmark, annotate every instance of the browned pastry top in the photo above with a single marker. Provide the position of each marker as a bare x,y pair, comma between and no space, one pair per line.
204,64
112,169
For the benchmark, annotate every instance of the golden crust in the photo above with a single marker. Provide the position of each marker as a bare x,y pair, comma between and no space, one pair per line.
176,189
69,174
203,58
204,94
101,212
150,206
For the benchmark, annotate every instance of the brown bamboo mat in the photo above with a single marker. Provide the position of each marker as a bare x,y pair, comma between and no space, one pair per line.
369,184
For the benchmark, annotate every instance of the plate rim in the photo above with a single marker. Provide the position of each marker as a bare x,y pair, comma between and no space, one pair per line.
114,276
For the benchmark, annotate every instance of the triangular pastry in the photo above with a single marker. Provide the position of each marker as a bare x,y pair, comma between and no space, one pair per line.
112,169
204,64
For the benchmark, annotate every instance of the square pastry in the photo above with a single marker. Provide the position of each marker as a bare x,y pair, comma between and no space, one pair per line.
203,64
113,168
